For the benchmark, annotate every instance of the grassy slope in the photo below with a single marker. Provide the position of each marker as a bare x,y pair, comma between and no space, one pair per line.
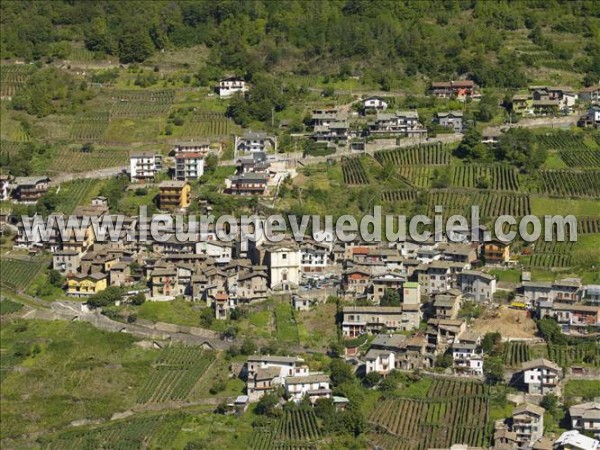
70,371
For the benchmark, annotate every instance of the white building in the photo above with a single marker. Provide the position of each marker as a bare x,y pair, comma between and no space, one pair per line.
283,261
255,142
231,85
585,417
404,123
380,361
574,440
144,165
467,355
189,166
314,256
4,187
541,376
374,104
314,386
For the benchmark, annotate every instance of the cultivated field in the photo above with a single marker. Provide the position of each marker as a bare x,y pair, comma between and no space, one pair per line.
567,183
204,125
18,274
130,434
453,411
567,355
138,104
176,372
296,429
428,154
491,204
68,159
90,126
12,77
515,353
353,171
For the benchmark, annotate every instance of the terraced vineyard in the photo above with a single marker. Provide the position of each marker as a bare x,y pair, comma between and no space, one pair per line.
454,411
399,195
176,372
565,183
563,140
491,204
9,148
500,177
89,126
297,429
428,154
515,353
552,254
418,176
74,160
130,434
73,194
208,125
143,103
588,225
581,158
567,355
18,274
353,171
13,77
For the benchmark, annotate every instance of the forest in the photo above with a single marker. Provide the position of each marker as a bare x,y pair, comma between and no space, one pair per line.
384,41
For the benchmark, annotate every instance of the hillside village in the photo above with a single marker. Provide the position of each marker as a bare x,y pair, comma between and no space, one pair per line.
461,341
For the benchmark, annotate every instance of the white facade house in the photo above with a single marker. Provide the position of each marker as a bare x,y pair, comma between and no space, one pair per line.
476,285
375,104
316,385
283,263
404,123
230,86
313,256
585,417
144,165
574,440
467,355
380,361
189,166
255,142
541,376
4,187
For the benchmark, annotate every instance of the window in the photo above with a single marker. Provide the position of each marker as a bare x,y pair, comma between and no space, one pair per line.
284,256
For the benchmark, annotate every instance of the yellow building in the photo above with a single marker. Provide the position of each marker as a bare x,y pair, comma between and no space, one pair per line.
174,195
496,252
86,285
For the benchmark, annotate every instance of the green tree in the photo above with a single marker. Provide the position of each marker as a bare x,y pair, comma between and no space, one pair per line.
138,299
491,342
390,297
106,297
340,372
267,405
372,379
134,44
550,330
55,278
493,369
248,347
